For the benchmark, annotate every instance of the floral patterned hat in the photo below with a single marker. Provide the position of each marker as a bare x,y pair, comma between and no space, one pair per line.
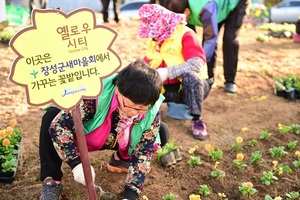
157,21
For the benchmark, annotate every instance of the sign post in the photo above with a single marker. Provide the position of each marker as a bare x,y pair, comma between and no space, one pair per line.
83,153
61,59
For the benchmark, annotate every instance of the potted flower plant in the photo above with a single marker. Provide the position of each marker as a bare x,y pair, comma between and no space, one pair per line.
175,149
169,154
10,140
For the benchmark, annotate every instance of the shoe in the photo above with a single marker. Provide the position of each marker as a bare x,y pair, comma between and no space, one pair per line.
199,129
51,190
119,166
230,88
210,81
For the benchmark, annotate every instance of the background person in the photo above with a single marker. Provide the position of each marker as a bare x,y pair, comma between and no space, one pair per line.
176,53
105,9
212,15
125,118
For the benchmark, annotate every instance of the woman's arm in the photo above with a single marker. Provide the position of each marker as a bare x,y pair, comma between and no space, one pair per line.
140,160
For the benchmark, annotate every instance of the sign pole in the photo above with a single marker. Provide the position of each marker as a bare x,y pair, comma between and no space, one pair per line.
83,153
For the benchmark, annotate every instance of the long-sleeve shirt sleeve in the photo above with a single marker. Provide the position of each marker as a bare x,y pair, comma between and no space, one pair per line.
192,53
141,158
208,17
62,130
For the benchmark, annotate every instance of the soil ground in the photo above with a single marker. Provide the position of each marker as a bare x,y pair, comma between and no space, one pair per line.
254,106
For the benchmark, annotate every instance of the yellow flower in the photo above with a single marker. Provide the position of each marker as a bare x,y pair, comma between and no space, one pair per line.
245,129
222,195
277,198
216,164
280,171
192,150
194,197
2,134
6,142
13,122
275,163
249,185
239,140
208,147
264,97
144,197
279,126
297,153
240,157
9,131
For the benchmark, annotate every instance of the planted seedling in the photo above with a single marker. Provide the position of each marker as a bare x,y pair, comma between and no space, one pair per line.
237,146
297,162
265,134
292,128
238,162
256,157
194,161
170,196
286,168
217,174
204,190
252,143
247,189
215,154
268,178
292,195
292,145
278,152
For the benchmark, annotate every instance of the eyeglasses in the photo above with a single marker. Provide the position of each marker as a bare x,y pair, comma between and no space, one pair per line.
135,109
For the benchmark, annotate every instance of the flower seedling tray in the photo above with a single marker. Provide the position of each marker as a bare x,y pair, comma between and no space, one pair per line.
282,93
288,87
9,177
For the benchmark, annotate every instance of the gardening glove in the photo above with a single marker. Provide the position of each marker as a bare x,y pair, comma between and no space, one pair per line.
79,175
163,73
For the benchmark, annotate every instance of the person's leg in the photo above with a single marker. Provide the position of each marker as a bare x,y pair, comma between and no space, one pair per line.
233,24
105,4
50,172
194,91
211,65
164,133
172,93
116,10
49,159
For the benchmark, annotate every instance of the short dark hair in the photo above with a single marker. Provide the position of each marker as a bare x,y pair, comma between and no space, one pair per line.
177,6
140,83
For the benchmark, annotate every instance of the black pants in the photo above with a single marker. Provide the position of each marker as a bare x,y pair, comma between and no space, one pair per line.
50,161
232,25
105,4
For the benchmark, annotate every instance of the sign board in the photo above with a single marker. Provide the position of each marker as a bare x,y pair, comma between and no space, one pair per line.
62,58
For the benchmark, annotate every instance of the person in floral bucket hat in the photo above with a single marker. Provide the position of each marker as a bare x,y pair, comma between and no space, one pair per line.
125,118
213,15
176,53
